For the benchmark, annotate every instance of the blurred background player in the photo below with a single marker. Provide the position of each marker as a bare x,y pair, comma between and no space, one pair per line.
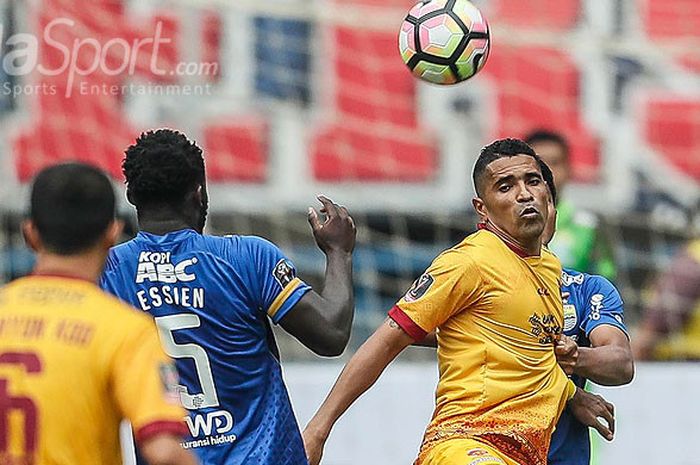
496,300
74,361
578,241
213,297
670,326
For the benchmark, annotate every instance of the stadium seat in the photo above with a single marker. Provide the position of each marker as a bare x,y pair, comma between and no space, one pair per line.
375,135
542,93
340,153
558,15
675,21
671,127
236,151
70,124
668,19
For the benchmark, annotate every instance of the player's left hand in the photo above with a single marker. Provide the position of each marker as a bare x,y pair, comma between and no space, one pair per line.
566,351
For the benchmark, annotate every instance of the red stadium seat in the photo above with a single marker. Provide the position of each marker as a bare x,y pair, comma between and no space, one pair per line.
344,154
375,135
671,127
668,19
548,14
236,151
71,122
542,93
678,21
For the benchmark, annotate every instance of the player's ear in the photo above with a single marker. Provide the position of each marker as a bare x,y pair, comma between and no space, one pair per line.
480,208
113,233
31,235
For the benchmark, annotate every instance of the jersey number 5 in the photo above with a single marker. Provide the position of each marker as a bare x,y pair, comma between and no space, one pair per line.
166,326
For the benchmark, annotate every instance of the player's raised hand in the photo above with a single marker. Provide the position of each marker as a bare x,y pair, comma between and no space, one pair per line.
566,350
590,408
335,233
313,445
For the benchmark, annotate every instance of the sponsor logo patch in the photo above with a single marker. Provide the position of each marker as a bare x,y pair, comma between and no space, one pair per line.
283,272
419,288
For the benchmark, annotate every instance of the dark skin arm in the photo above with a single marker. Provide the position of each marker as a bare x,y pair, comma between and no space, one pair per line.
607,362
322,321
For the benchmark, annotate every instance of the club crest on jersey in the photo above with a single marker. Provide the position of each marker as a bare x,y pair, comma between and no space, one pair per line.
570,318
283,272
419,287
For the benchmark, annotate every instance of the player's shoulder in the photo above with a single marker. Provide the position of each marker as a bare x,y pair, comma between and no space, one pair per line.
116,309
119,253
591,286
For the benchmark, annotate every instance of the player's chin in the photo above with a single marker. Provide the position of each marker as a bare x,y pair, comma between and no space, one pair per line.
531,226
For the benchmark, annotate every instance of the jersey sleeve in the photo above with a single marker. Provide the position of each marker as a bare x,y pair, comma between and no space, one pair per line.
145,384
278,287
603,305
449,285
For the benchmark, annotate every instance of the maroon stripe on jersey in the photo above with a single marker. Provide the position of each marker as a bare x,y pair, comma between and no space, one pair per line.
155,428
407,324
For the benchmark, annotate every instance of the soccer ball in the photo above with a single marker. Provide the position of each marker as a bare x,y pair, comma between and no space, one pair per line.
444,41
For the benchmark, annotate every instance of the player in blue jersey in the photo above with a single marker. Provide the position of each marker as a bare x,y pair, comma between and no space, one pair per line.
213,298
593,318
595,346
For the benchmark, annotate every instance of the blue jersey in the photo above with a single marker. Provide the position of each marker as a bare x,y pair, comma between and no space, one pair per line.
589,301
211,298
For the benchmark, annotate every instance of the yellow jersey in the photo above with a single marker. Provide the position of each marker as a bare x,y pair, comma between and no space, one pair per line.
497,314
74,362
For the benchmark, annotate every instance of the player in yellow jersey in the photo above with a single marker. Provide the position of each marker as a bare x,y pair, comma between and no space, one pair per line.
75,361
495,301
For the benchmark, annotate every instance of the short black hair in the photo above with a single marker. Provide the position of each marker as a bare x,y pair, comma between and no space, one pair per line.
545,135
500,148
71,206
162,167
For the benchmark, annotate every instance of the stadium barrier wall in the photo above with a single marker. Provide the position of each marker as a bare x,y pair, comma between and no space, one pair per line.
657,415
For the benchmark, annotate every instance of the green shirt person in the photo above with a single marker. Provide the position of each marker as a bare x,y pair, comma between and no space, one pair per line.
578,241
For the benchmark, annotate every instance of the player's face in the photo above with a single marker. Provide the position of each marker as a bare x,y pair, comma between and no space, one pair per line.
554,156
514,198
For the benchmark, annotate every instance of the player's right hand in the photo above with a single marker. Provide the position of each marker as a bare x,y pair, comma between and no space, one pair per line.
589,409
337,232
313,445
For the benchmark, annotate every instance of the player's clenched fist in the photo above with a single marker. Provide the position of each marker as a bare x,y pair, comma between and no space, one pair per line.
566,351
337,232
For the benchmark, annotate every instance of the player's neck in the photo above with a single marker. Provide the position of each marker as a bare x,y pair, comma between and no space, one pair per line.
87,266
161,227
163,221
522,248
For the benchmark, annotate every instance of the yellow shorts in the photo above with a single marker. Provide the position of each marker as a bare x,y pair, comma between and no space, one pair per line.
465,452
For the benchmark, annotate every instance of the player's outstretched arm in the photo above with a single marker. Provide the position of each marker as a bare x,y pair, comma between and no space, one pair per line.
609,360
360,373
165,449
322,321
